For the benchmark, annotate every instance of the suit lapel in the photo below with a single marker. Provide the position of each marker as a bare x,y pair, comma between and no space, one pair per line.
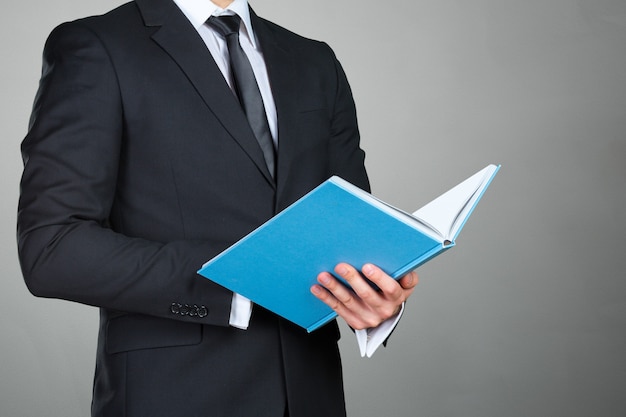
282,76
179,39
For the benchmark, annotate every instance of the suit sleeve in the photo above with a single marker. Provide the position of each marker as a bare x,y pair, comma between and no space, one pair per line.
71,157
347,159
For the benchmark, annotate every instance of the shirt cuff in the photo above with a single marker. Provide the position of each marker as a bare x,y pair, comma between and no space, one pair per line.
370,339
240,312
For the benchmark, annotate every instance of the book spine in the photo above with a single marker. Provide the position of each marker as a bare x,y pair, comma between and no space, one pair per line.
399,273
321,322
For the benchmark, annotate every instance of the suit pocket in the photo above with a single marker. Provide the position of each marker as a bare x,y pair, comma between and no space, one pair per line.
135,331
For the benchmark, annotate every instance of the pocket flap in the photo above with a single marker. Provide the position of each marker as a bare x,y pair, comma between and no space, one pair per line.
135,331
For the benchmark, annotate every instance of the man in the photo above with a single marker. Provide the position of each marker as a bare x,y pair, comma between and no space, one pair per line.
140,165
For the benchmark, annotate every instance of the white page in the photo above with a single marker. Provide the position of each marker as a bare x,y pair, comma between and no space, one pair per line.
446,212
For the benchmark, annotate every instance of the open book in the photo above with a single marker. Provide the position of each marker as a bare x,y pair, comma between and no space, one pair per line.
276,264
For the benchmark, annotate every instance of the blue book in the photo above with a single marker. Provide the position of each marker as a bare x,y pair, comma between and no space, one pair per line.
276,264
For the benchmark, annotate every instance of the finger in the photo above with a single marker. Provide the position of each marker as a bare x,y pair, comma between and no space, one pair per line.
354,319
378,305
358,284
409,281
340,292
389,287
324,295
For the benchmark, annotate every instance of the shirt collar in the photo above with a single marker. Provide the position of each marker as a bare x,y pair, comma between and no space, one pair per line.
199,11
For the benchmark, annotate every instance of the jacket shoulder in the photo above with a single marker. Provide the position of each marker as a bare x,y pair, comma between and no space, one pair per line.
287,36
115,18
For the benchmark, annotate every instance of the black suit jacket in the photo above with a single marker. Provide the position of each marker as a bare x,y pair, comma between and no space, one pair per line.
139,167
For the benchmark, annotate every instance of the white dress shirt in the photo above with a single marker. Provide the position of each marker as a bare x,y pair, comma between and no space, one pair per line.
198,12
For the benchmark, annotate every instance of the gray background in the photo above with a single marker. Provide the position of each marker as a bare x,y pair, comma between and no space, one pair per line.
527,315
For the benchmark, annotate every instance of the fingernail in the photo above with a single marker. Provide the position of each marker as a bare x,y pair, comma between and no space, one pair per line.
368,269
324,279
342,270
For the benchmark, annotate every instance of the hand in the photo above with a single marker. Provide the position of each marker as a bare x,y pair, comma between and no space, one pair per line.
364,307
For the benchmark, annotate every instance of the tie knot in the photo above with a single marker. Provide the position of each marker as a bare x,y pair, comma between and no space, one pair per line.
225,25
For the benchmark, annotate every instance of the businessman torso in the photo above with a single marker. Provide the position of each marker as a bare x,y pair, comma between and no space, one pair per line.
140,166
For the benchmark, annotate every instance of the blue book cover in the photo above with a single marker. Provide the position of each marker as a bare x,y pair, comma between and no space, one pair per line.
276,264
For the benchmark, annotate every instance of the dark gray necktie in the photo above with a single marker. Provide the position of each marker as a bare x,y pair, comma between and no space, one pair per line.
246,86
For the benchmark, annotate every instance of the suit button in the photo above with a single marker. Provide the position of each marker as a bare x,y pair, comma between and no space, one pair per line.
184,310
189,310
